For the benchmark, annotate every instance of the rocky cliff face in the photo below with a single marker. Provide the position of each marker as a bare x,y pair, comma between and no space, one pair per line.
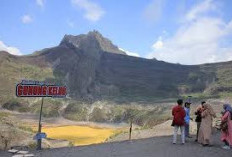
76,61
91,42
93,68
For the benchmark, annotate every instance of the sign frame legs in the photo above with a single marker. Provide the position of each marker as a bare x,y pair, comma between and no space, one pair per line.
39,141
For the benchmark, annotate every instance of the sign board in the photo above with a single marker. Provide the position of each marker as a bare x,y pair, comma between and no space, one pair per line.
28,88
31,88
39,136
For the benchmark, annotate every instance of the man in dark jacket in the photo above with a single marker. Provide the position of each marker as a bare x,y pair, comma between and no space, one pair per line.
178,113
198,117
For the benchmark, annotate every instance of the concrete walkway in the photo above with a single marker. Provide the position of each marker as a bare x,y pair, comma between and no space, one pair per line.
152,147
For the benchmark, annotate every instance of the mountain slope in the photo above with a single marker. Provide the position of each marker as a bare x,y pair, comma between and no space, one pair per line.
93,68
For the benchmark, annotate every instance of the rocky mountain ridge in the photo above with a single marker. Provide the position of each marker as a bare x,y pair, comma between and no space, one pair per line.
95,69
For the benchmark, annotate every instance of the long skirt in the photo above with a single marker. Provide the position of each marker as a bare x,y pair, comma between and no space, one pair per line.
205,131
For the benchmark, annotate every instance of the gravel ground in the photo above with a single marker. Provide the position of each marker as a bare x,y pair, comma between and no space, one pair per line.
157,146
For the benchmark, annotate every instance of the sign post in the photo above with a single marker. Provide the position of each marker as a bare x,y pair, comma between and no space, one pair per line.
39,140
29,88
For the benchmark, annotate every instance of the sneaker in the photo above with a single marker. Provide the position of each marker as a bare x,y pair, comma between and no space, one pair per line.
226,147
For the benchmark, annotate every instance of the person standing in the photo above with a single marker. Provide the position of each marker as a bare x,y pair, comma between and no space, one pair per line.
198,117
205,131
187,119
178,121
226,134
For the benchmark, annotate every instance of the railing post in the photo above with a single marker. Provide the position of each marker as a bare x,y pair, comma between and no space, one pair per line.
130,131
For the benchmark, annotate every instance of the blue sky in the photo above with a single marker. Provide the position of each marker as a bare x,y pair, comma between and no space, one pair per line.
180,31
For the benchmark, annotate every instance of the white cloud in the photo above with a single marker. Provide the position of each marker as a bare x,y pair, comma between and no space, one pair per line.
40,3
203,7
153,11
198,40
130,53
70,23
26,19
11,50
93,12
158,44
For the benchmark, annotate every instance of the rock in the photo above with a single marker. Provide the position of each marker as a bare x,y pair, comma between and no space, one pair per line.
29,155
18,155
13,151
22,152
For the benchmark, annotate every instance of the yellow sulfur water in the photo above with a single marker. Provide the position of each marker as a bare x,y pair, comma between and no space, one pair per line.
79,135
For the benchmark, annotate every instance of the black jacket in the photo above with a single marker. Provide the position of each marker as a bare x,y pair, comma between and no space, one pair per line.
198,118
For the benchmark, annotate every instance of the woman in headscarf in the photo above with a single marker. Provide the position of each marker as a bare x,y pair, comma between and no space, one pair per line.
226,135
205,132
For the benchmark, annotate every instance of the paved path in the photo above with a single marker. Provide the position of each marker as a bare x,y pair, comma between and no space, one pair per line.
152,147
